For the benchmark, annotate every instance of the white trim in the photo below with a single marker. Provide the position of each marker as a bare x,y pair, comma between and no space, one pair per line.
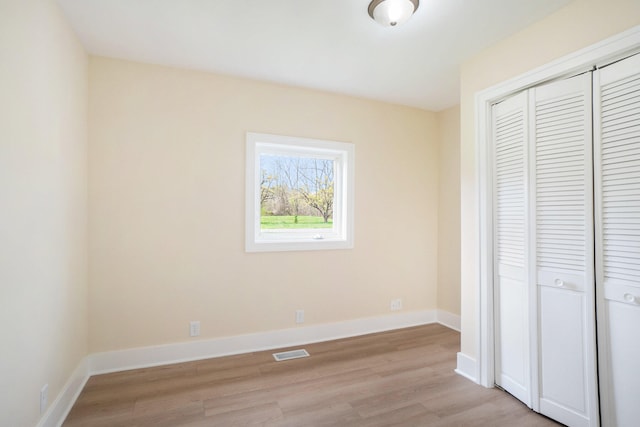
450,320
341,234
59,409
608,50
467,367
484,251
143,357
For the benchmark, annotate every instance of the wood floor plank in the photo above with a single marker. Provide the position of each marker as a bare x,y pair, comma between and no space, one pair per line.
399,378
402,415
252,415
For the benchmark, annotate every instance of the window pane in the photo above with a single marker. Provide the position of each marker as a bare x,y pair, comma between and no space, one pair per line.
296,193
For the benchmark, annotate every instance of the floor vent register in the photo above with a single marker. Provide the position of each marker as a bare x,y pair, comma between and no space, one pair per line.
288,355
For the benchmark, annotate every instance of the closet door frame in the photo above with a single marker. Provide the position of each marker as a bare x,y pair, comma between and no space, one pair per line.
609,50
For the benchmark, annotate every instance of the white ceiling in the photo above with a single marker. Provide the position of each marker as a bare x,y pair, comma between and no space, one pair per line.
330,45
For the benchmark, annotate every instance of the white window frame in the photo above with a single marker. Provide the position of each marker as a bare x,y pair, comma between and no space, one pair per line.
341,235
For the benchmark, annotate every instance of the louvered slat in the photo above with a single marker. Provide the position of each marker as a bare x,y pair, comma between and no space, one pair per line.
510,196
620,154
560,177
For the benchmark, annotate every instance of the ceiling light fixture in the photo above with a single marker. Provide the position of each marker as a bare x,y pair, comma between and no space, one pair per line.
390,13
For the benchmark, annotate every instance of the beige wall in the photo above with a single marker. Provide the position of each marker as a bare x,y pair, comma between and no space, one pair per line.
449,210
578,25
43,206
166,208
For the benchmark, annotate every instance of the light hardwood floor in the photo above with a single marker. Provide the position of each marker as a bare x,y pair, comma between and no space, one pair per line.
398,378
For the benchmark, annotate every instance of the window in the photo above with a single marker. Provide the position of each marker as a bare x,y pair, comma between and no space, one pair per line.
299,194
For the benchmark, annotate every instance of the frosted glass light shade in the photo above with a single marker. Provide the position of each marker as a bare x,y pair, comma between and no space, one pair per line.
390,13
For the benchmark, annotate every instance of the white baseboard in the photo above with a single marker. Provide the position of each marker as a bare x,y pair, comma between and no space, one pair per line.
59,409
448,319
143,357
467,367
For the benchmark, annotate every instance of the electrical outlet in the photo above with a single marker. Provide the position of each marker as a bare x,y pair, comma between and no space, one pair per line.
396,304
299,316
44,396
194,328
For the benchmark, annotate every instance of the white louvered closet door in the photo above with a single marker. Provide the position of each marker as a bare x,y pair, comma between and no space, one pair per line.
511,302
617,182
562,218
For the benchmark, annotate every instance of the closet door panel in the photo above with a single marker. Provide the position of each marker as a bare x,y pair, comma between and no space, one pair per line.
562,342
562,193
510,282
623,319
513,338
617,182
